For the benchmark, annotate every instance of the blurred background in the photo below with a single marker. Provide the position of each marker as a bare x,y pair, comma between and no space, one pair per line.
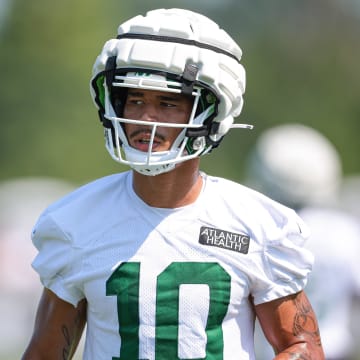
302,61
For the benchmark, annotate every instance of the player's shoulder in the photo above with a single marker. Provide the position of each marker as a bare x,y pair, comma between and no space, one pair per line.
244,194
81,213
94,190
260,209
226,186
95,197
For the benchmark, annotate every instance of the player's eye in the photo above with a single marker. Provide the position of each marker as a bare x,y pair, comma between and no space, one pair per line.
167,104
136,101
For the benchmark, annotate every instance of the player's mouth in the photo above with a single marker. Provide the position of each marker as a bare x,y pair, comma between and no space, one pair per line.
141,140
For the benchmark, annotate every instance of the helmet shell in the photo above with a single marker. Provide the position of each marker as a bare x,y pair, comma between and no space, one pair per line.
167,40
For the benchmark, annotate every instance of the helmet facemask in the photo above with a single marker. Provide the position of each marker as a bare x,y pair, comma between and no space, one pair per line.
191,142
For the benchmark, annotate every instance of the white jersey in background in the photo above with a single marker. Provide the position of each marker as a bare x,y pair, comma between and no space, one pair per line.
334,283
170,283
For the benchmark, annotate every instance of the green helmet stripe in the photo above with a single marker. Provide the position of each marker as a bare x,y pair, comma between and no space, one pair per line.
101,90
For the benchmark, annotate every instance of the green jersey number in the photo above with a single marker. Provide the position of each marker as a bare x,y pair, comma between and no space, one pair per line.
124,283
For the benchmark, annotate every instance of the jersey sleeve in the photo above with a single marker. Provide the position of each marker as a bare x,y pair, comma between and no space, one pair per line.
286,263
56,261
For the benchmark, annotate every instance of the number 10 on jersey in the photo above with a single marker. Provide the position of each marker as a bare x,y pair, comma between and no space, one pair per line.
124,283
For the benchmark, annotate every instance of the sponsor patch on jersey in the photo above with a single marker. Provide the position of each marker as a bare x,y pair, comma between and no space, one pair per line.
224,239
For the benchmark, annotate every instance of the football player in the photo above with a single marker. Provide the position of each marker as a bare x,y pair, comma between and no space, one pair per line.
298,166
164,261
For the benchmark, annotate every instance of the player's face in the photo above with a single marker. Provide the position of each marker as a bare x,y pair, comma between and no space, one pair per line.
155,106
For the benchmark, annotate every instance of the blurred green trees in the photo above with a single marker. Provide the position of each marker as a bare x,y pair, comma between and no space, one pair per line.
302,61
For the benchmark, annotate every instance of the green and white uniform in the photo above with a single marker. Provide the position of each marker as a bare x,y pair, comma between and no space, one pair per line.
170,283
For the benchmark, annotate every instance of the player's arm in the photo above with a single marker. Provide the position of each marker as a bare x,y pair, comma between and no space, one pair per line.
291,327
58,328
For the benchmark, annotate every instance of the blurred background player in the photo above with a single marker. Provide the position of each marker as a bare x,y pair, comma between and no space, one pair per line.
299,167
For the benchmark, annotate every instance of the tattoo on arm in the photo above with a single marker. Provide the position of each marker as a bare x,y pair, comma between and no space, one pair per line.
297,356
72,337
66,349
306,344
305,321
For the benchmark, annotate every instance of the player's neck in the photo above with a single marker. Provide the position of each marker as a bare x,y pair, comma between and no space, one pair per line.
174,189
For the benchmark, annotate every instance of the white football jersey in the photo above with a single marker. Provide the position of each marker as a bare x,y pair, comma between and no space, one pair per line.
335,280
170,283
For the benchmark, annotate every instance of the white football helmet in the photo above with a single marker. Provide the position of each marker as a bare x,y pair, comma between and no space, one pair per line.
296,165
177,51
